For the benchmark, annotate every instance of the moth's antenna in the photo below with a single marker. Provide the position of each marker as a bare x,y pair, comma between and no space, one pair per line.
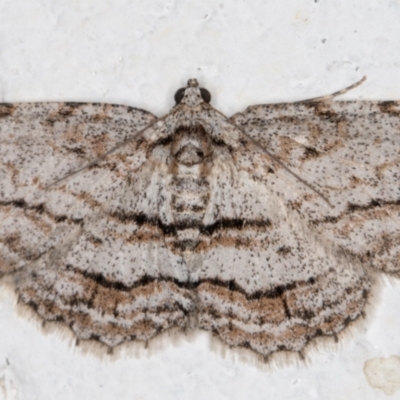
103,156
298,177
277,160
335,94
314,100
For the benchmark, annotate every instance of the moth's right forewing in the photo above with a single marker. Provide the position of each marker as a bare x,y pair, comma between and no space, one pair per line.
350,153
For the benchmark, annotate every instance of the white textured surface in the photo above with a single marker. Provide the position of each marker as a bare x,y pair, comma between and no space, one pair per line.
139,53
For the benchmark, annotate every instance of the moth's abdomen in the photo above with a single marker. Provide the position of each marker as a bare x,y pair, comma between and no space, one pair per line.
189,200
191,159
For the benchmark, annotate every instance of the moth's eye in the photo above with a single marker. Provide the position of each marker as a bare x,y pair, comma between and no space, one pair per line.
205,95
179,95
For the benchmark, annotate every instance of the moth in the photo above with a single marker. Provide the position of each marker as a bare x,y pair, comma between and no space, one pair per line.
266,228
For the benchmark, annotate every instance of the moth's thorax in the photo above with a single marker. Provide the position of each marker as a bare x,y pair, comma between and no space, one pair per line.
190,164
191,145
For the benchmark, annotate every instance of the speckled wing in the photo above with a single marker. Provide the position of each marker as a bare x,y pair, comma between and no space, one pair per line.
350,153
86,250
266,279
259,228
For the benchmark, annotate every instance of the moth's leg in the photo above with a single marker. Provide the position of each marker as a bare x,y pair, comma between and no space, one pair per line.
335,94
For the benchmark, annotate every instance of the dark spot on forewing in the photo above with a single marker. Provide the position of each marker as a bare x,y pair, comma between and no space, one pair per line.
284,251
6,109
310,152
389,107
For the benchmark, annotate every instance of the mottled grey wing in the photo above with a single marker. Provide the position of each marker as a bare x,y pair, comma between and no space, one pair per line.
265,279
86,250
283,261
350,153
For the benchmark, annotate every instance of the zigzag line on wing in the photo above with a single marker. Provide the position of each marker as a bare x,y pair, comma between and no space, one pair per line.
277,291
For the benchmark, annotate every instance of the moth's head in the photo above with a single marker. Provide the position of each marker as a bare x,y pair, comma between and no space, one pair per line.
192,95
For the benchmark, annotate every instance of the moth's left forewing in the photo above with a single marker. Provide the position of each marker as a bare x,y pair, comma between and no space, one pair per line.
350,153
79,228
43,142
